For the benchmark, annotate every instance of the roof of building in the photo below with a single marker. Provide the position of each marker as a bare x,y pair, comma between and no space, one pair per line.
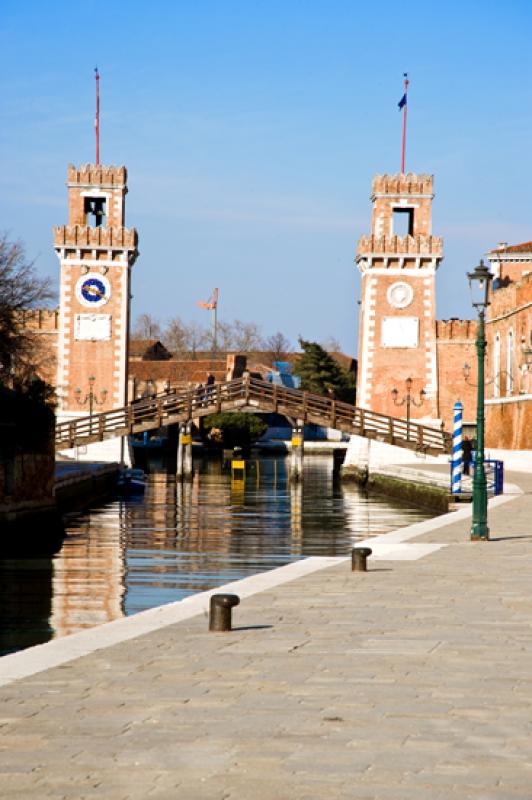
148,349
195,370
523,247
345,361
177,371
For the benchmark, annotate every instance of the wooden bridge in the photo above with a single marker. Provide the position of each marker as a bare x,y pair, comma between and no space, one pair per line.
250,394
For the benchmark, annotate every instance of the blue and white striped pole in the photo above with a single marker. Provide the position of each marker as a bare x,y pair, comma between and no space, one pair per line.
457,458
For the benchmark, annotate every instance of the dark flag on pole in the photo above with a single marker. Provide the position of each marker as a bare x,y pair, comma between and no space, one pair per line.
402,107
402,101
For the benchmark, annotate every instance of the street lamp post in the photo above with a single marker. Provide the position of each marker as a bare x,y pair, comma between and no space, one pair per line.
479,281
90,397
408,400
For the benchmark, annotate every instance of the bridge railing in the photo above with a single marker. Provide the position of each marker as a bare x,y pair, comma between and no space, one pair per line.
176,406
351,419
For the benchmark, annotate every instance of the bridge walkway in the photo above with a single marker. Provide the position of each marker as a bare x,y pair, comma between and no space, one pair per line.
250,394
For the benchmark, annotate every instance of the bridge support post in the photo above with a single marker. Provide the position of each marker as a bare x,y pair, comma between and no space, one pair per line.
296,457
184,451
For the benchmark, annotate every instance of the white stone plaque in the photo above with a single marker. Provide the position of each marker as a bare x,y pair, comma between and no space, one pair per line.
400,332
92,327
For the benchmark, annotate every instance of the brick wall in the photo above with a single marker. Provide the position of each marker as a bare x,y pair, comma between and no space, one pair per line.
391,366
509,424
509,333
509,366
92,180
27,477
455,344
43,325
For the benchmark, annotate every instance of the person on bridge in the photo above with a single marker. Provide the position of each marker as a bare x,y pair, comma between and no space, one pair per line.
200,394
210,383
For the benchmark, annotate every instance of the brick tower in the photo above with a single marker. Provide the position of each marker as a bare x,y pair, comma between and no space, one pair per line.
96,253
398,263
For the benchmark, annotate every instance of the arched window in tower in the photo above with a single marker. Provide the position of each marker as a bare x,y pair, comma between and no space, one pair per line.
95,213
497,366
509,362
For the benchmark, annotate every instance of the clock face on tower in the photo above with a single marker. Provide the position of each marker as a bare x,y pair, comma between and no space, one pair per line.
93,290
399,295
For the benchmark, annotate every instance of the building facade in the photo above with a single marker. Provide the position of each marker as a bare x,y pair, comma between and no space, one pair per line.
398,262
96,253
509,350
403,347
401,338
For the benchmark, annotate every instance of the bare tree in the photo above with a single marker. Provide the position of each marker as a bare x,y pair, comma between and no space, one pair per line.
175,337
198,337
146,327
20,289
183,339
224,336
246,336
277,344
331,345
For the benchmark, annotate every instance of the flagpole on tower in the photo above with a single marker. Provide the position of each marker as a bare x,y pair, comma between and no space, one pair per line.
97,119
403,105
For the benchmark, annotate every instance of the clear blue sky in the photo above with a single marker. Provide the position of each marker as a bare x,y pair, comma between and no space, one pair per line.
251,131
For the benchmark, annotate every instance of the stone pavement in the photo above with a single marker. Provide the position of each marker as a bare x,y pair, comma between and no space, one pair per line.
410,682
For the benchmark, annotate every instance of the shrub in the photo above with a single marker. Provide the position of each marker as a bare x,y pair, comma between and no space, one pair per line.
235,429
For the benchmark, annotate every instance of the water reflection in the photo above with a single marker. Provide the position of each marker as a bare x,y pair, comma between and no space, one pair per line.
88,579
179,539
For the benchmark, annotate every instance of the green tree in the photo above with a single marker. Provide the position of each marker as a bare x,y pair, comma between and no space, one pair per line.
321,374
234,429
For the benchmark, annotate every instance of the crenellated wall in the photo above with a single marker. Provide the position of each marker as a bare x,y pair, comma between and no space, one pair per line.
97,175
408,245
86,236
402,193
455,347
100,183
403,183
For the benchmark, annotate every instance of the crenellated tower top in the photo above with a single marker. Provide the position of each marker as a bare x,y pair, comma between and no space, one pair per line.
401,184
96,175
401,225
96,195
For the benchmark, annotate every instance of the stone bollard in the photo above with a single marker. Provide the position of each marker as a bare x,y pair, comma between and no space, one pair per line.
220,611
358,558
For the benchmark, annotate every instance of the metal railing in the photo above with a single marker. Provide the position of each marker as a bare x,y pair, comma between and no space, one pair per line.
180,406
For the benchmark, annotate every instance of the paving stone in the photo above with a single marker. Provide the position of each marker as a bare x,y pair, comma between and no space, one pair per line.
413,682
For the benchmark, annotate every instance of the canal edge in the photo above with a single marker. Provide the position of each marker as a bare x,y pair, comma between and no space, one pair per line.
387,546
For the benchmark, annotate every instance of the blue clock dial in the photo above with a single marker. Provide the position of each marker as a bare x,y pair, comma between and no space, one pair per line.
93,290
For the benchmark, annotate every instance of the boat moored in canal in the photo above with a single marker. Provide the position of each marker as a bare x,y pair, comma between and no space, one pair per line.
131,481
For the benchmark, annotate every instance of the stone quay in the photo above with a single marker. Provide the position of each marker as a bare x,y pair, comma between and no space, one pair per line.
410,681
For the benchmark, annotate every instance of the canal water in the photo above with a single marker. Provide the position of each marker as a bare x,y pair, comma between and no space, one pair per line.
134,553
